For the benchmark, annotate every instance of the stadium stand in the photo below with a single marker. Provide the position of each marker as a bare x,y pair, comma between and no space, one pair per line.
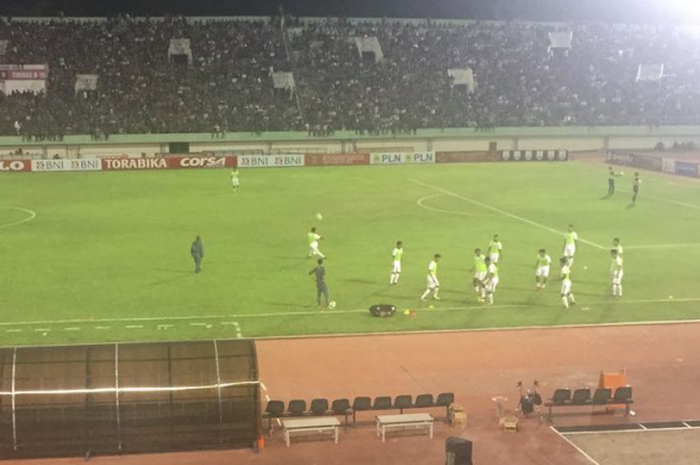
518,80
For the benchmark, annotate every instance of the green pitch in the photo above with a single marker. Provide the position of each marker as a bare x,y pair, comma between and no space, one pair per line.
107,256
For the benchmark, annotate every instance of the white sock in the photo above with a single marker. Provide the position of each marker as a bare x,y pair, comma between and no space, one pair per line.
425,294
396,279
490,297
571,299
436,292
565,301
619,290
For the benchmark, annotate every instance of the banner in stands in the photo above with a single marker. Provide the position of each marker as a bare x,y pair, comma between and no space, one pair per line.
270,161
23,78
685,168
397,158
88,164
14,166
85,82
464,157
535,155
668,165
638,160
336,159
203,161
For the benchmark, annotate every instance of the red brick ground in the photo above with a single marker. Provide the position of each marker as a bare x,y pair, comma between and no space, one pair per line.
662,361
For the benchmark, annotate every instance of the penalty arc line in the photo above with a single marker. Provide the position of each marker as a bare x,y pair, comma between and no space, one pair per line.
420,203
31,213
503,212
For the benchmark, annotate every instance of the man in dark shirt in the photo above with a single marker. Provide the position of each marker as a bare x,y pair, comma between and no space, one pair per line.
321,287
197,252
611,180
635,187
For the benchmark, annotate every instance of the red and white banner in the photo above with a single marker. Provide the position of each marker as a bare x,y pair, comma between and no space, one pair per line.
121,164
336,159
23,78
85,164
399,158
14,166
270,161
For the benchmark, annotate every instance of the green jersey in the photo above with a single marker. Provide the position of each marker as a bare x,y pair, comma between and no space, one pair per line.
565,273
313,237
571,238
616,265
234,175
494,248
397,254
480,264
543,260
432,268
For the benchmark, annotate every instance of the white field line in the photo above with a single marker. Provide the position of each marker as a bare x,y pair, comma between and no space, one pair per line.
505,213
420,203
626,431
345,312
580,451
662,246
31,216
659,199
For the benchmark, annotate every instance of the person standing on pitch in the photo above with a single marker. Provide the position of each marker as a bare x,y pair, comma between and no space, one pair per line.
635,188
494,249
479,270
235,179
197,252
397,255
542,269
570,245
321,288
611,180
567,297
433,283
616,273
491,280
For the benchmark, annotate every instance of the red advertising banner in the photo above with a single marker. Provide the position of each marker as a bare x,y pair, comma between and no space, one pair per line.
14,166
465,157
336,159
23,72
121,164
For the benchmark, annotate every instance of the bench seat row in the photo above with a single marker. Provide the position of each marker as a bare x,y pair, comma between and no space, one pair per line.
321,407
564,397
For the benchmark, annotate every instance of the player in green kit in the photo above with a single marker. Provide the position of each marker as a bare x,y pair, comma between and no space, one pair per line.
235,179
617,246
542,269
565,275
480,269
313,239
433,283
495,249
491,280
616,273
570,244
397,255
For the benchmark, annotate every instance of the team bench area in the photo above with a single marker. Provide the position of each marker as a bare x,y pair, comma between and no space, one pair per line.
342,407
563,397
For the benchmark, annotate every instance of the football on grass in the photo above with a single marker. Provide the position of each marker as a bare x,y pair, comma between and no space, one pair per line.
319,217
331,304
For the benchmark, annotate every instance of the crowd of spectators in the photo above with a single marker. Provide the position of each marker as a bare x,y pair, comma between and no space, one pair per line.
228,87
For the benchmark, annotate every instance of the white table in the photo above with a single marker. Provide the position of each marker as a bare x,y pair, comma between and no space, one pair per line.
413,420
310,425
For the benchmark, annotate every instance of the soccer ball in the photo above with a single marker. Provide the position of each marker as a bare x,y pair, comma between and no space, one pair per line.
319,217
331,304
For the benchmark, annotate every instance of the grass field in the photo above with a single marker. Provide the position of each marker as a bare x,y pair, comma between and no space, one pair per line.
107,256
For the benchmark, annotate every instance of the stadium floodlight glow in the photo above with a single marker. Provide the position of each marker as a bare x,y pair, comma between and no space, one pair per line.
686,10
